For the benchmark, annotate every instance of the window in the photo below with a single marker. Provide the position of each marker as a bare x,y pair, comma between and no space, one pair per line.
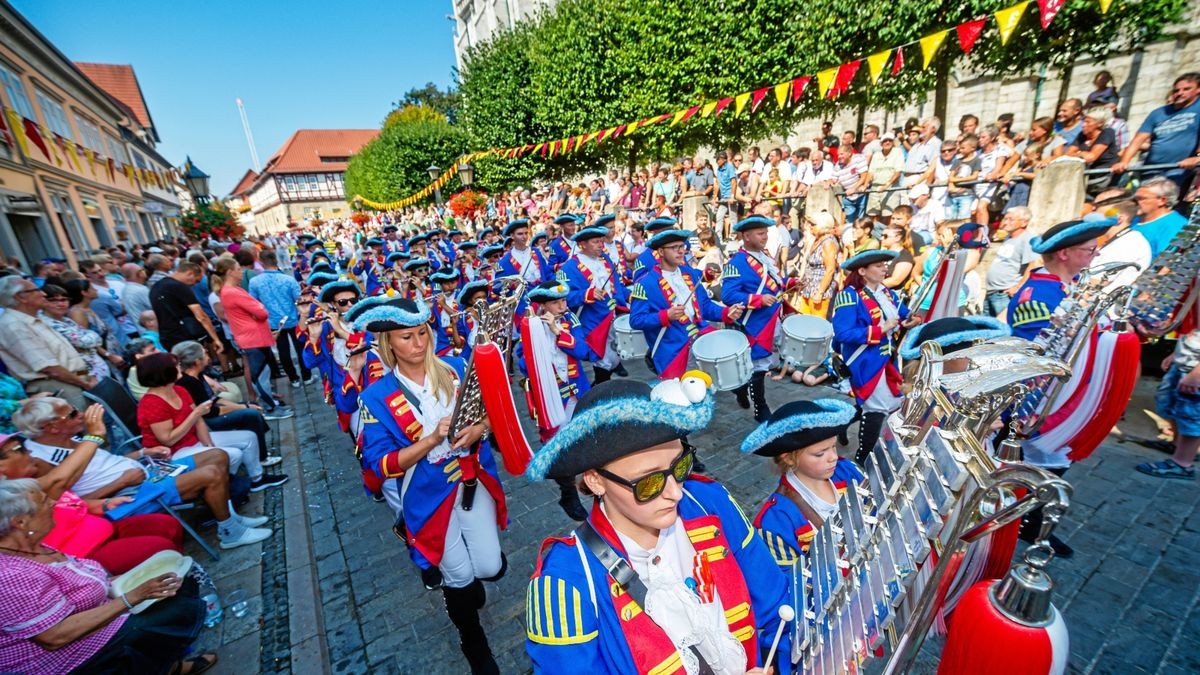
91,134
17,96
56,117
118,217
70,222
139,161
116,150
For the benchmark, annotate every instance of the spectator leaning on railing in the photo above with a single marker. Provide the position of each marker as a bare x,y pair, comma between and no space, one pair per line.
33,351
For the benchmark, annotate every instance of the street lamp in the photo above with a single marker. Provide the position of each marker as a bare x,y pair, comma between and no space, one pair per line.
434,172
358,203
196,182
466,174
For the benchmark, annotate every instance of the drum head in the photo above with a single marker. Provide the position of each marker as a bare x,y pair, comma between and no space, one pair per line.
806,325
621,323
719,344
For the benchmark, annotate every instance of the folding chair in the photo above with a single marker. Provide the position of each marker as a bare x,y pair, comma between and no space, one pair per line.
121,411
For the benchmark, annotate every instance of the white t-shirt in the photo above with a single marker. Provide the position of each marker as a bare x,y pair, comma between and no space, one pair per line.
104,468
785,171
1128,246
927,218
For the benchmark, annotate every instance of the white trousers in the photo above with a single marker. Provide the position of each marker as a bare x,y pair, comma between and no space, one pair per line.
609,360
240,446
472,541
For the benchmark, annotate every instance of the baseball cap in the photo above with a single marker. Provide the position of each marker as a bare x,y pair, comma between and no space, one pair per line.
889,136
918,190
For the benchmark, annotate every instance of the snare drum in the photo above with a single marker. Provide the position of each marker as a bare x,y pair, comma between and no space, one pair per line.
806,340
725,356
630,343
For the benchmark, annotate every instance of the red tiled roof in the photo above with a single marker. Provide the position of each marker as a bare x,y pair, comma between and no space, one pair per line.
244,184
120,82
319,150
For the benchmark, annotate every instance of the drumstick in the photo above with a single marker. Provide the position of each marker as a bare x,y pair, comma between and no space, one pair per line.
786,614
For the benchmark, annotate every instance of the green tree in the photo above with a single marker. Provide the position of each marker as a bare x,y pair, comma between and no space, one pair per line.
446,102
394,165
413,113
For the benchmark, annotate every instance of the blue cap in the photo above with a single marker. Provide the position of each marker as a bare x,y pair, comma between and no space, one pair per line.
753,223
668,236
869,258
1068,234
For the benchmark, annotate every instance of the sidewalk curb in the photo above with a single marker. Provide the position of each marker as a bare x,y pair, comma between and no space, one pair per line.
309,650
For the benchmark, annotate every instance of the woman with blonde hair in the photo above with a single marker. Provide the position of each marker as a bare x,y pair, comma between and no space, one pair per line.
820,263
444,490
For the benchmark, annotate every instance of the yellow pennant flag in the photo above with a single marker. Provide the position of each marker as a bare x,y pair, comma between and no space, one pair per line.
707,109
825,80
14,123
781,93
876,62
631,128
1008,18
49,140
1104,5
678,117
739,102
929,46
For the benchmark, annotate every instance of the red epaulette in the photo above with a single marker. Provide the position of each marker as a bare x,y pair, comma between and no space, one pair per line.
701,477
537,569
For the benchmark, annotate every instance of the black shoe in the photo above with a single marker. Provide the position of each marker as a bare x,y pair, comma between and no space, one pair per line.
569,501
758,395
432,578
743,396
600,375
268,481
378,498
620,370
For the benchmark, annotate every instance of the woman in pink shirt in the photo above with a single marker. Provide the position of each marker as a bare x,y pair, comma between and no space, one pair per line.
248,322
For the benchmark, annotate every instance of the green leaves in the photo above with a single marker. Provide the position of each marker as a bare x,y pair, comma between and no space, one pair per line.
394,165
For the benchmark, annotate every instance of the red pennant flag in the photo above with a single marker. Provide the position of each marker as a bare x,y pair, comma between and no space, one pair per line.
845,76
662,118
567,145
1049,10
968,33
757,98
798,86
691,112
31,131
721,105
112,169
618,131
4,135
898,63
545,147
600,135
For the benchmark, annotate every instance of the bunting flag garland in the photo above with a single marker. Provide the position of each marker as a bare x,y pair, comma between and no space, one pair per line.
798,86
825,80
929,46
739,102
4,135
1007,20
1048,9
898,62
14,123
875,64
781,94
968,33
31,131
112,169
831,83
757,97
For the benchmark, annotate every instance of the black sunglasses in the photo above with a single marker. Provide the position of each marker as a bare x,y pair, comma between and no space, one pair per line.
650,486
344,302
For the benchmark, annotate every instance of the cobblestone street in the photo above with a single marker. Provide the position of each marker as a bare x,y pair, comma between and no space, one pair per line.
355,603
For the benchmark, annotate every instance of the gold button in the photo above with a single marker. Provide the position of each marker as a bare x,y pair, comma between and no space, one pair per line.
627,614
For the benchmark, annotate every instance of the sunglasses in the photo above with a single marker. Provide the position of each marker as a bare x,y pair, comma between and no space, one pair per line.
650,486
344,302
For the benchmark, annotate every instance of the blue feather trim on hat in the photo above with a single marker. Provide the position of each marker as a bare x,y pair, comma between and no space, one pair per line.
667,236
471,288
514,226
1070,233
868,257
415,263
836,414
469,243
548,290
340,286
387,312
591,232
753,222
444,276
619,412
351,315
321,278
988,328
603,221
660,223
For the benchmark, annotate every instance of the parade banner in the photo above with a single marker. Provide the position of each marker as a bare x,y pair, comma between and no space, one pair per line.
832,82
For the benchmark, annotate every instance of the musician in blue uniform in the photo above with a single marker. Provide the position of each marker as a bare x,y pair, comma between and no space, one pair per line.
801,438
336,298
596,295
445,309
752,278
419,247
670,305
865,318
391,240
416,285
541,242
468,318
467,261
450,497
523,260
614,248
370,267
564,246
685,585
647,259
552,360
1066,249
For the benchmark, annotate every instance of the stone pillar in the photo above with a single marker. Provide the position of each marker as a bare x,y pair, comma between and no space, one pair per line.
821,198
1057,193
692,204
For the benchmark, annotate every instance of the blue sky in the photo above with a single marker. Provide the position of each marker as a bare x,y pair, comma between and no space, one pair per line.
295,64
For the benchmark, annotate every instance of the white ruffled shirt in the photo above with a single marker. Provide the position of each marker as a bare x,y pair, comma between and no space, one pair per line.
675,608
432,409
682,292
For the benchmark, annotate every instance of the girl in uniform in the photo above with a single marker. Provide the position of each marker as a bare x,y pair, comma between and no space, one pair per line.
446,488
666,575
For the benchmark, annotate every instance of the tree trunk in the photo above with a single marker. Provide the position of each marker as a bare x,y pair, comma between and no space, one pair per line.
633,156
941,91
1064,89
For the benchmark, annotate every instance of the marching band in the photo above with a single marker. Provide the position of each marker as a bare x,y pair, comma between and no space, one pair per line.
665,573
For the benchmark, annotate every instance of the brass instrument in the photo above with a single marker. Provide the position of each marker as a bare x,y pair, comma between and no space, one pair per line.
495,325
869,585
1167,289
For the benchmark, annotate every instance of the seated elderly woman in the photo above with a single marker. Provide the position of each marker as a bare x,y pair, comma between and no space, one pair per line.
168,416
225,415
118,488
56,615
